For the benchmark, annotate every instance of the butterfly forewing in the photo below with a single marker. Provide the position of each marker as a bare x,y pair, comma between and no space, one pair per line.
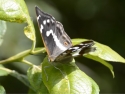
58,44
54,37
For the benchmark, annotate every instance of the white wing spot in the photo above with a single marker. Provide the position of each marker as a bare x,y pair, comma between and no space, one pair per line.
57,41
38,17
44,22
41,28
49,32
70,48
48,21
76,53
81,44
75,48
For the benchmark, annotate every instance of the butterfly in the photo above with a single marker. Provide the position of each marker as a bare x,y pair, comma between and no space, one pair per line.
56,41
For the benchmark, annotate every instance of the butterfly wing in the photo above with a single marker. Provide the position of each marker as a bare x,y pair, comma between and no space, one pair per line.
82,48
77,50
54,37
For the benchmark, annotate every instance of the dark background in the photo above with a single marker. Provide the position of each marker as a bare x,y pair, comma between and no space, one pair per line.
100,20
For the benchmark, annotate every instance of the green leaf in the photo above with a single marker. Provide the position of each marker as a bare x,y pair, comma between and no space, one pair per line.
16,11
108,65
104,52
13,11
31,91
22,78
77,41
34,74
2,90
3,29
67,78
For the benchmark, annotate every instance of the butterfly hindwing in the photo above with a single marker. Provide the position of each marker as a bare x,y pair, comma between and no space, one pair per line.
77,50
54,37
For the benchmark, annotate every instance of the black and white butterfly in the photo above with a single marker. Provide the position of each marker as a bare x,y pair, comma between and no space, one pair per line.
57,43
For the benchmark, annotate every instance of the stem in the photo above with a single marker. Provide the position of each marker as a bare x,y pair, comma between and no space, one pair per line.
7,70
16,57
32,30
19,56
26,62
39,50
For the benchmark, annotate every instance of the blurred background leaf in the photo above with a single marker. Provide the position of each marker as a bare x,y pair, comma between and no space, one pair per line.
34,74
3,29
2,90
100,20
4,71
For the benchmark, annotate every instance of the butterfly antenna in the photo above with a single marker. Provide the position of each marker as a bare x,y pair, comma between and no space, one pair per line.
52,64
45,71
57,69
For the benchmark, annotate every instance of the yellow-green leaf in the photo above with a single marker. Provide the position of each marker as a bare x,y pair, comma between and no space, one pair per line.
13,10
104,52
29,32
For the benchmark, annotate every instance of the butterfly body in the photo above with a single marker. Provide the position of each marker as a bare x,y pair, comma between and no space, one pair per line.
57,43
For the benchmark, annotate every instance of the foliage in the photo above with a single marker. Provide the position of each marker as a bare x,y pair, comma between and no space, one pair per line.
41,79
